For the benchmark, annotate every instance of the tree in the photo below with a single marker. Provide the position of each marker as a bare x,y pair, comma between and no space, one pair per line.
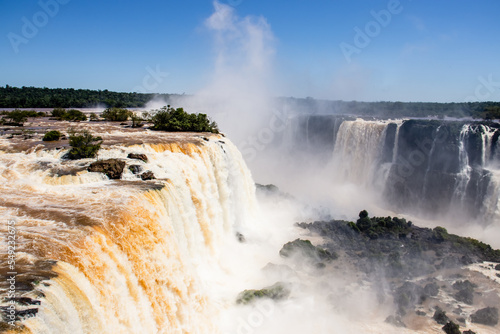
58,112
83,145
136,121
116,114
16,117
73,115
170,119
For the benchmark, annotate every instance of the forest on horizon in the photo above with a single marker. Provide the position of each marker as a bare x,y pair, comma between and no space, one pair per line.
34,97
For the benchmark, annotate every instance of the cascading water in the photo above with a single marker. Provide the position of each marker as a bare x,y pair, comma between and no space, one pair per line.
124,256
427,166
357,151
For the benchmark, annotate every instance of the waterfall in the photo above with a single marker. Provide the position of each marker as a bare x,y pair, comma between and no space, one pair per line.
358,148
428,167
464,174
125,256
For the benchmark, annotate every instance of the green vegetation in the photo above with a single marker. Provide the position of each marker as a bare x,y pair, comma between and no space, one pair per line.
276,292
83,145
93,117
380,226
115,114
170,119
307,249
53,135
137,121
18,117
488,110
451,328
72,115
33,97
58,112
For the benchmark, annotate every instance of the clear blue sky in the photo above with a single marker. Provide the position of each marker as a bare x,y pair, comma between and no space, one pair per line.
424,51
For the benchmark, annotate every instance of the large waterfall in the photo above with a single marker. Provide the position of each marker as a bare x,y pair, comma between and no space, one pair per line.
95,255
434,167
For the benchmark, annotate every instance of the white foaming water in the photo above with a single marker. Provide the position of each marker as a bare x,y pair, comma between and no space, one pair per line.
132,256
357,148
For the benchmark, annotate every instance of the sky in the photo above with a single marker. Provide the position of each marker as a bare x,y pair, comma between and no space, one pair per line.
437,51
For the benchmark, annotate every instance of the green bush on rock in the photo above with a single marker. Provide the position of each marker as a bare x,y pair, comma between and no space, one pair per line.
53,135
276,292
83,145
170,119
307,249
116,114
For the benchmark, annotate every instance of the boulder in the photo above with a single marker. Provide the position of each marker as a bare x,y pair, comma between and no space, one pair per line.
431,289
486,316
138,156
148,175
395,320
277,291
307,249
113,168
440,316
135,169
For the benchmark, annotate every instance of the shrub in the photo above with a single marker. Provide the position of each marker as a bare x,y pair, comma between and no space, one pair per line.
136,121
93,117
170,119
439,234
16,117
451,328
116,114
73,115
83,145
52,136
58,112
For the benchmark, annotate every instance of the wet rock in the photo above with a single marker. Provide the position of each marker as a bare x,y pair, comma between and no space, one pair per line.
113,168
395,320
240,237
451,328
276,292
407,295
465,291
148,175
431,289
486,316
469,332
440,316
135,169
138,156
307,249
497,267
26,301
